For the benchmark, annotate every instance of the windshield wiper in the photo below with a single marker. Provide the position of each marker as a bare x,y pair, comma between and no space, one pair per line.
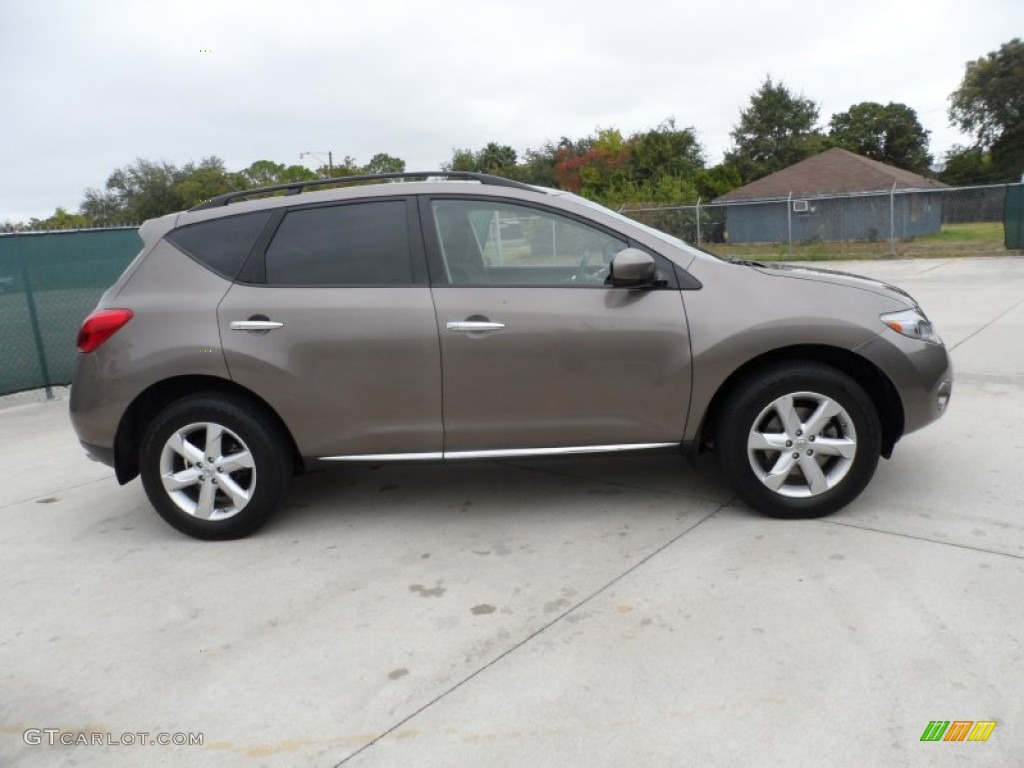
747,263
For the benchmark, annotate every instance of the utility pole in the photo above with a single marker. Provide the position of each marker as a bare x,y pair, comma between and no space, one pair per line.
330,160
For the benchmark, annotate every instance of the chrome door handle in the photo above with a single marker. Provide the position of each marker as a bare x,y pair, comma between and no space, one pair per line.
255,325
474,326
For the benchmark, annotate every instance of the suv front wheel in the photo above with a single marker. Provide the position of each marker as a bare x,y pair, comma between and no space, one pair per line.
214,467
799,440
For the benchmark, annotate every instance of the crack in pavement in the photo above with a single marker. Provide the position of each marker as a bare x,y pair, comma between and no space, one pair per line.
536,633
920,538
986,325
942,264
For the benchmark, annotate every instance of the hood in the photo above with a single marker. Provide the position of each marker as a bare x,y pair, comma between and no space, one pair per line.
834,277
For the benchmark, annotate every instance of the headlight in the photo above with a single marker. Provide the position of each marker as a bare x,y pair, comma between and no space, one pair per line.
913,324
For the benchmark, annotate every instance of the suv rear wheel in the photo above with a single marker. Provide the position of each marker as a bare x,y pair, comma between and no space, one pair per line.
214,467
799,440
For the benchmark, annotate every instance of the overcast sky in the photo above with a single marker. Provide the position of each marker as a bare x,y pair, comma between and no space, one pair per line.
88,86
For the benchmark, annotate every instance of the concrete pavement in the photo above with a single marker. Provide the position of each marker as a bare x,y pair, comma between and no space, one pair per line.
570,612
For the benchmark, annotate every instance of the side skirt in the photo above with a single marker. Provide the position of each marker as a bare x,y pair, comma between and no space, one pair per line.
510,453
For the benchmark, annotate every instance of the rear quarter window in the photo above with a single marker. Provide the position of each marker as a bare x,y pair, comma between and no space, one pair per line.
220,244
364,243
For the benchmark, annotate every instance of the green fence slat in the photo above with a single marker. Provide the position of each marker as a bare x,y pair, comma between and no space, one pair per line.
49,282
1013,218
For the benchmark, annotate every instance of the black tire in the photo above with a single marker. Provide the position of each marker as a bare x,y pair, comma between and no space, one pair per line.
248,430
754,413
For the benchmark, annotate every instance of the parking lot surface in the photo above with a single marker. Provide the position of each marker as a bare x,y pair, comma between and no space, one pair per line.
621,611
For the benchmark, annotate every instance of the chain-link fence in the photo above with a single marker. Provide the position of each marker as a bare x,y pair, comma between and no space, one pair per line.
49,282
898,222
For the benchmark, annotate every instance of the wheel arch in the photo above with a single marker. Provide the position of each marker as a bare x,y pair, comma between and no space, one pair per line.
875,383
158,396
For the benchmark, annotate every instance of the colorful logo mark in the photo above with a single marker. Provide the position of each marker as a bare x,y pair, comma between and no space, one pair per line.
958,730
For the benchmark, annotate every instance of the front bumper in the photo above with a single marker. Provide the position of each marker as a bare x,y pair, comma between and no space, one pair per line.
921,372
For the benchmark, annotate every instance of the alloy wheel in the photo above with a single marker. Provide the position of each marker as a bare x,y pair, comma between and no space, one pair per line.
207,471
802,444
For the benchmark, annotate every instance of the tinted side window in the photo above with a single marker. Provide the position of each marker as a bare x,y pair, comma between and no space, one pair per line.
220,244
355,244
484,242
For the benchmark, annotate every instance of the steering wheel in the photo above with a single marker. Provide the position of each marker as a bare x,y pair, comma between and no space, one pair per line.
585,274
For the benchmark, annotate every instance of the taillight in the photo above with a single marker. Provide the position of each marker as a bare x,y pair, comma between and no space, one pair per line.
100,326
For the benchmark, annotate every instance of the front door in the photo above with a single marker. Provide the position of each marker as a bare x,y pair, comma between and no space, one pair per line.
537,352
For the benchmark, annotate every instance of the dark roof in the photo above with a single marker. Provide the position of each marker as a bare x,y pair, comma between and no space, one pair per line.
834,171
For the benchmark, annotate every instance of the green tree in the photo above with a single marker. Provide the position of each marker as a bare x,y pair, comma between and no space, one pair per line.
496,159
138,191
665,152
384,163
206,180
103,208
967,165
462,160
601,172
347,167
715,182
538,166
775,131
62,219
146,189
267,173
296,173
890,134
990,105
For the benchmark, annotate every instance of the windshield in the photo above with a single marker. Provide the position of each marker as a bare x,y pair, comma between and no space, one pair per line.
663,236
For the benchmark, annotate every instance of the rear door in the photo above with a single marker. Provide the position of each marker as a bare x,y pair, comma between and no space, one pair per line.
538,352
332,323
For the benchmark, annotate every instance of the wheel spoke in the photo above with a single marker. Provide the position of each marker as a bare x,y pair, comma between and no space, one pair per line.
813,475
822,415
836,446
238,495
214,433
184,448
760,441
236,461
777,477
208,492
175,481
787,415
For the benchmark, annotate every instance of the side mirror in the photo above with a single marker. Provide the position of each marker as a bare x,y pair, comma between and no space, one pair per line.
632,268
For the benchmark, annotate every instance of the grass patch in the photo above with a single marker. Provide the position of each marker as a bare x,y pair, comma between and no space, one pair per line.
985,231
953,240
802,251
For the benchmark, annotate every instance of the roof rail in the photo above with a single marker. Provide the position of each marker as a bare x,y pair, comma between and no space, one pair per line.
297,187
